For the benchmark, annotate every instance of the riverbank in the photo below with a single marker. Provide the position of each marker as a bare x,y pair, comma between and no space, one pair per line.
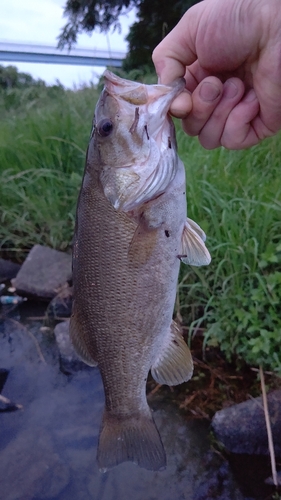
233,195
55,418
230,310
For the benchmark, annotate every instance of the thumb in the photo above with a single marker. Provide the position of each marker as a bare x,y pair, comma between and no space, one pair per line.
177,49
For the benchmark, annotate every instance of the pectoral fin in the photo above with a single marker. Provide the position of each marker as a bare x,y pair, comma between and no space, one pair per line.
174,364
196,228
142,244
194,251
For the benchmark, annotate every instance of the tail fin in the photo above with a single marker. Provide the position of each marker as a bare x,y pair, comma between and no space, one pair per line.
134,439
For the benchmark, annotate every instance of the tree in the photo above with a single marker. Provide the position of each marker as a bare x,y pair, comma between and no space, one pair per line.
10,78
155,19
86,15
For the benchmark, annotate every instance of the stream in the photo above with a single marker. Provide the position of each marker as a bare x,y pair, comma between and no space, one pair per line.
48,446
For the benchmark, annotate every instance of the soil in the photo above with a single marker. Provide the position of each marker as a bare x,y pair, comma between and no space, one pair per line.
215,384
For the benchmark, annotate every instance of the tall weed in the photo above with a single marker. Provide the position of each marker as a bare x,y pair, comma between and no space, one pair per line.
235,197
42,154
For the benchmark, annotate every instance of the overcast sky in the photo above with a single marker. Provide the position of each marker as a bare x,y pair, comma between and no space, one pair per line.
40,21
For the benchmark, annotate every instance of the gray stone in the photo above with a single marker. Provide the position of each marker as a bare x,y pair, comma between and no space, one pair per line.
8,270
61,305
69,361
269,480
43,273
241,428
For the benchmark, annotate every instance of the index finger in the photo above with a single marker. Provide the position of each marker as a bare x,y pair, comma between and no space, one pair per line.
177,49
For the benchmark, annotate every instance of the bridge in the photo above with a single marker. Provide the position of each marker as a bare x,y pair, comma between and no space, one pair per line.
18,52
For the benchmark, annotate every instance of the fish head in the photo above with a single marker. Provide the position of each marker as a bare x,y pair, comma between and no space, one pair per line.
132,132
116,137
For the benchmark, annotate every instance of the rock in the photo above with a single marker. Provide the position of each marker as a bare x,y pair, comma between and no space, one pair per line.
43,273
269,480
69,361
241,428
61,305
8,270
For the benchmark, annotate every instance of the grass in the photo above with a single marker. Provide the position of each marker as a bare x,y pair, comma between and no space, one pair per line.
234,196
42,154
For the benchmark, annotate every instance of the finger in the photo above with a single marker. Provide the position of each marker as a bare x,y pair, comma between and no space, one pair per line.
267,80
239,132
182,105
205,98
194,74
210,135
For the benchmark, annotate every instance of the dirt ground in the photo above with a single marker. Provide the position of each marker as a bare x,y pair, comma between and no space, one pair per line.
215,384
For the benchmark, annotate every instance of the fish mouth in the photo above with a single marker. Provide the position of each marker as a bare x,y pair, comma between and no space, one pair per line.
138,94
132,92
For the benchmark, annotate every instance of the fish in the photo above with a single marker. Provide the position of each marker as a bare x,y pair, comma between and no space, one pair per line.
131,234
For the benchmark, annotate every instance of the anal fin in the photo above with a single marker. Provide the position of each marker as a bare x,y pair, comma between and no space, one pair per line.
78,342
194,251
174,364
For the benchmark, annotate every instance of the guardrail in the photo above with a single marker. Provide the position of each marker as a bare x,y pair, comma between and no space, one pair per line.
16,52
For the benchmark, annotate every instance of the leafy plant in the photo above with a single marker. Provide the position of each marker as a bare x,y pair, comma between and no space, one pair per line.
250,325
235,197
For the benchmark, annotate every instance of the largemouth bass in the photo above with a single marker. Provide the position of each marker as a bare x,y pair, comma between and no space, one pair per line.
131,234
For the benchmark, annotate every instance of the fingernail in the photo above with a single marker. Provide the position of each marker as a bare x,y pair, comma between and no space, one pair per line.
251,96
209,91
230,90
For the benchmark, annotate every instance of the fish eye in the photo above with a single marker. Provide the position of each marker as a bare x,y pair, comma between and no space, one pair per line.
105,127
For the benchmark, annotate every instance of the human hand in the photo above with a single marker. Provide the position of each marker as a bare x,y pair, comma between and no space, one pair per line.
230,55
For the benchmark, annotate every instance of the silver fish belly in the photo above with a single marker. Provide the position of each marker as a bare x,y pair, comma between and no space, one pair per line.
131,233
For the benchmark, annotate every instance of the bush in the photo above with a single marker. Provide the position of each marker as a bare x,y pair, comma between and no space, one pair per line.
250,324
235,197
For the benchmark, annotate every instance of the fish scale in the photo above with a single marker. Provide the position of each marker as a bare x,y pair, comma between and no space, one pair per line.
126,264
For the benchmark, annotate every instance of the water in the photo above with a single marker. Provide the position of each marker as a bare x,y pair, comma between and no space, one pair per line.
48,449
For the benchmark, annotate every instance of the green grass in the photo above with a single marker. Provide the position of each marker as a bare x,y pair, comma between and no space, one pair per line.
42,154
234,196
